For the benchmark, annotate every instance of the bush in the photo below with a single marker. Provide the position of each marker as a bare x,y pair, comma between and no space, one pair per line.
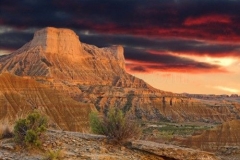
54,155
115,125
28,131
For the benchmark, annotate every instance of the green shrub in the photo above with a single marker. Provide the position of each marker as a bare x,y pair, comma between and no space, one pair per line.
96,124
28,130
115,125
54,155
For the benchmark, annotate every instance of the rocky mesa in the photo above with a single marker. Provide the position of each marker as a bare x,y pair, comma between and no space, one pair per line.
58,54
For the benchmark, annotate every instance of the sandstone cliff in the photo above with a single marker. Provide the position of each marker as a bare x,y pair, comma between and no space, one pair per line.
58,54
86,73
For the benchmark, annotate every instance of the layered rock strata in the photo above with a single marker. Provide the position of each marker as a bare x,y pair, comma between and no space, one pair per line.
58,54
224,139
20,96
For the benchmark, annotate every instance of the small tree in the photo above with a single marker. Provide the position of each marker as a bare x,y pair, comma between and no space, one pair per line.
28,130
115,126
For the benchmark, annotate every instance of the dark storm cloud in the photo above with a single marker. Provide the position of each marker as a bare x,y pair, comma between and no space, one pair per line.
137,68
200,68
122,15
14,40
147,62
144,56
75,14
27,13
181,46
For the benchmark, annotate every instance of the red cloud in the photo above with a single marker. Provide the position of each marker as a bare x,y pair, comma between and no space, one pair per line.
141,67
196,52
215,27
207,19
207,33
1,21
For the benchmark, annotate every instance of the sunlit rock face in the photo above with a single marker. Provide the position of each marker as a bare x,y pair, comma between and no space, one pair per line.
118,53
53,40
59,54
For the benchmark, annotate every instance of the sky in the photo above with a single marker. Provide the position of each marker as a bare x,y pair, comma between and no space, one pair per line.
182,46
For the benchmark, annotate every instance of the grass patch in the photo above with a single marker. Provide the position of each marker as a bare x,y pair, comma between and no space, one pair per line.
167,131
54,155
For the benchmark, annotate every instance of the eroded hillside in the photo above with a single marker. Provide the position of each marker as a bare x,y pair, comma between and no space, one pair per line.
19,96
224,139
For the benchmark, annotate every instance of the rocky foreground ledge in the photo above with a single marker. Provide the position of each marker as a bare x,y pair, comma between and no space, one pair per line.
76,146
171,151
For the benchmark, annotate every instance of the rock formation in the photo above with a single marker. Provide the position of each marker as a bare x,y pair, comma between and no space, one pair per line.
52,41
225,139
58,54
172,152
147,104
86,73
19,96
